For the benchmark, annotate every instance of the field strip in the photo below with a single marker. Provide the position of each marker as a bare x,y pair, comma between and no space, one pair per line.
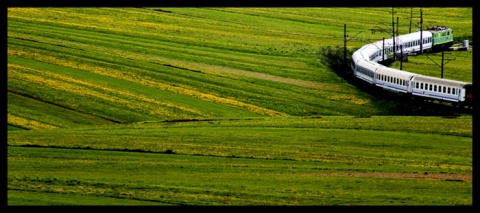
426,175
117,91
27,123
141,80
212,69
62,106
209,69
117,96
263,76
74,39
206,68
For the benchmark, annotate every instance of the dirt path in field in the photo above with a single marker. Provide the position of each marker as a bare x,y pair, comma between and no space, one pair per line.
274,78
297,82
429,176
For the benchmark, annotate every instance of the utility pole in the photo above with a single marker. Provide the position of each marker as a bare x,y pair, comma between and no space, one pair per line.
443,62
401,56
398,23
345,44
383,49
411,12
418,25
448,60
421,32
399,45
393,34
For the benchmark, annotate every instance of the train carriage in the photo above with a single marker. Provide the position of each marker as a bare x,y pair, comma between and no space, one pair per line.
365,70
393,79
442,89
371,52
411,42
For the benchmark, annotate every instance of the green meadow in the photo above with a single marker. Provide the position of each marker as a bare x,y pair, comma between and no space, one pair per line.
224,107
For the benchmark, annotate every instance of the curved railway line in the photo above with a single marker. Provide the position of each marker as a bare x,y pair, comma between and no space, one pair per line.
367,65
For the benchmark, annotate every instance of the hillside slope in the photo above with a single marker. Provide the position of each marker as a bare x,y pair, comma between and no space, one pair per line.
82,66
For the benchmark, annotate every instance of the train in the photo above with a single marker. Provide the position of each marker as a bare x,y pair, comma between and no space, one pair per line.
366,65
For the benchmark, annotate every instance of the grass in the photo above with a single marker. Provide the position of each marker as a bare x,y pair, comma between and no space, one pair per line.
263,161
222,106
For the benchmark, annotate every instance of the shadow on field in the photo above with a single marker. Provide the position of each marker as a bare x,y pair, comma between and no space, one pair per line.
390,103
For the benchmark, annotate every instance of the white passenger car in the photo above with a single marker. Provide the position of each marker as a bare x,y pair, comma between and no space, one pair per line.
439,88
393,79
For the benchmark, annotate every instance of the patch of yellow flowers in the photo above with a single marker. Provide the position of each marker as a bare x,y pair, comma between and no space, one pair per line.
349,98
128,76
26,123
71,85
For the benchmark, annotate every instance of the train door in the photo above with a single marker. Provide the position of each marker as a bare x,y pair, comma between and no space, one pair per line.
461,94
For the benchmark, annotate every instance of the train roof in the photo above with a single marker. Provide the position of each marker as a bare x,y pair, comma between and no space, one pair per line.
369,64
357,55
394,72
406,38
368,50
415,36
438,29
440,81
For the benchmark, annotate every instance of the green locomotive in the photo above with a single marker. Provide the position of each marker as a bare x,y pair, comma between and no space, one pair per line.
442,37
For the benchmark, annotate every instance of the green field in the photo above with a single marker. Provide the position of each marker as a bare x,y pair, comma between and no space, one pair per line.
223,106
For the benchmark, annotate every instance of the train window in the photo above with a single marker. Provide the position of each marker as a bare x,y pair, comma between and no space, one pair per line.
448,90
444,89
454,91
430,88
421,85
434,88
